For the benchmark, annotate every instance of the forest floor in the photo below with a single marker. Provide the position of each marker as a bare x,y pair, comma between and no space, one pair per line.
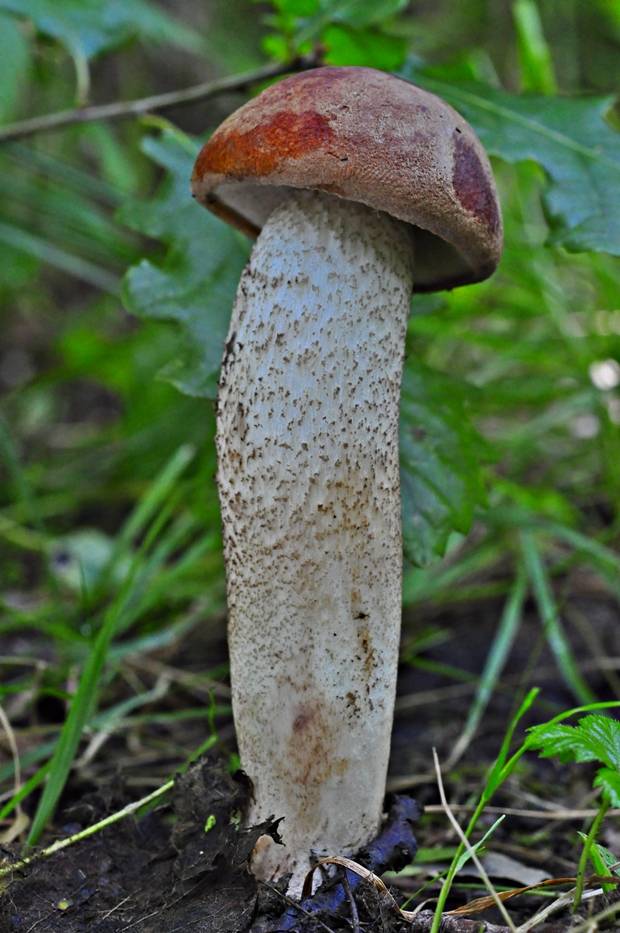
181,866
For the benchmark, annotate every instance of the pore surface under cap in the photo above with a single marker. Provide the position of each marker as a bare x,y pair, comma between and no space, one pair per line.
365,136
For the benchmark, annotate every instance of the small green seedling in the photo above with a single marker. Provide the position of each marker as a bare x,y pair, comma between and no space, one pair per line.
595,738
604,862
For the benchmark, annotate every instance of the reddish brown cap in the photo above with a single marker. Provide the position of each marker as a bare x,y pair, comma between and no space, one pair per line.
366,136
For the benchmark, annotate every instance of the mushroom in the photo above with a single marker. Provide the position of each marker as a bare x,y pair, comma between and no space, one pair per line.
364,188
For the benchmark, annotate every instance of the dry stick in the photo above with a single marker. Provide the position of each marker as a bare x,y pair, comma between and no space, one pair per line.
592,923
355,918
121,110
116,907
423,923
471,851
565,900
17,774
560,815
197,682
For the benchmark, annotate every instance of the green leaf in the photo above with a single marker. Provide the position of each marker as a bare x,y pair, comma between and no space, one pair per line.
569,137
360,13
478,847
594,738
604,734
368,47
351,31
609,782
534,500
295,8
196,282
559,742
440,454
14,64
87,27
604,861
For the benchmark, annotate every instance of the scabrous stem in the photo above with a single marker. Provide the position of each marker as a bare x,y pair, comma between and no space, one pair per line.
310,494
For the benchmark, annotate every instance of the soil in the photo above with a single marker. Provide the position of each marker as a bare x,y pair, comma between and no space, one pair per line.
182,866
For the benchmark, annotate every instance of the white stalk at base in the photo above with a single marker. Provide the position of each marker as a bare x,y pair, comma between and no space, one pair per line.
310,494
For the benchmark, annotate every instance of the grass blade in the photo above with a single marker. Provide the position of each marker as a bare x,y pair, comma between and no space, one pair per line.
500,649
501,770
84,700
58,258
552,625
71,733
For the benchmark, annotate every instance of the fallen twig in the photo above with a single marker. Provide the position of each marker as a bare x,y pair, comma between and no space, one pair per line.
121,110
423,922
484,903
559,815
565,900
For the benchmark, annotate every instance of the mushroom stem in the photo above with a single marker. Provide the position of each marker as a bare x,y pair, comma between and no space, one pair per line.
310,494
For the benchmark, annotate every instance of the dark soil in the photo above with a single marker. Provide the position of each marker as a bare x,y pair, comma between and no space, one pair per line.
182,866
161,874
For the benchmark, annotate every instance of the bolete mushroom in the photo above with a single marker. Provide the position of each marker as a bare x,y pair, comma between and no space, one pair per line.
364,188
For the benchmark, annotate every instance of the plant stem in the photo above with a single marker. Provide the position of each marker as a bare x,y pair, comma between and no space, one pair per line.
89,831
585,853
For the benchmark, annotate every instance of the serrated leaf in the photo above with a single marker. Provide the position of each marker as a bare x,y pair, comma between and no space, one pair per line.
604,736
440,456
569,137
594,738
196,282
87,27
558,742
609,782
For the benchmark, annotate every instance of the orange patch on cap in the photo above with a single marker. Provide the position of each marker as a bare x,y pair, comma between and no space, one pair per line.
260,151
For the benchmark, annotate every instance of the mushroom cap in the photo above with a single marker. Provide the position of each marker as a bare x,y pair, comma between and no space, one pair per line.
366,136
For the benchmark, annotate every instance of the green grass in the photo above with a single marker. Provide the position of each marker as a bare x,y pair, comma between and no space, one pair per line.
110,549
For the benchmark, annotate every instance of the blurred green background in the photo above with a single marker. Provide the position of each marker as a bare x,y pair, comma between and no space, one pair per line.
115,290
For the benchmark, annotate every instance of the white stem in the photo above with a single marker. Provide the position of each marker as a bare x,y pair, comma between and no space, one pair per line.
310,495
